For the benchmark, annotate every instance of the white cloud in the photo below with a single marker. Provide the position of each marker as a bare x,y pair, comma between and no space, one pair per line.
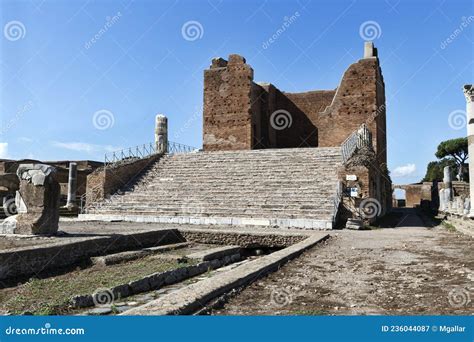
85,147
25,140
404,170
3,150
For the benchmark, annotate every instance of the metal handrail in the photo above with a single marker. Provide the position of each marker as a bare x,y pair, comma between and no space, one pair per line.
143,151
362,137
337,201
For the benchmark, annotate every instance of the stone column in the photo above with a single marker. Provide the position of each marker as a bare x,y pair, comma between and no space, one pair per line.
469,93
161,134
369,50
442,200
72,186
448,185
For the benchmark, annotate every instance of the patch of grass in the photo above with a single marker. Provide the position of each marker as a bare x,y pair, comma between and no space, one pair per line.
51,295
448,226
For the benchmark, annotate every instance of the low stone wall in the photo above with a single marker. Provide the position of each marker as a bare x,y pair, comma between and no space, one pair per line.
33,260
245,240
105,181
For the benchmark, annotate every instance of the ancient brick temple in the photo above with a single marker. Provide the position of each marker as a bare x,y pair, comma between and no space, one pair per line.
327,146
241,114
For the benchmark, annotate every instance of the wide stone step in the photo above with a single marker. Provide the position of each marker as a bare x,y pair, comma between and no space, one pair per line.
296,215
227,207
235,221
221,198
217,196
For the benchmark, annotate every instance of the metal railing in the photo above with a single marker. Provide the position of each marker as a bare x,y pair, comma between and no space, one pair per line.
82,204
143,151
337,201
362,137
174,148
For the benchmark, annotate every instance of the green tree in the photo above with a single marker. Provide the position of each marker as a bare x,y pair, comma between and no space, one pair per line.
435,170
455,149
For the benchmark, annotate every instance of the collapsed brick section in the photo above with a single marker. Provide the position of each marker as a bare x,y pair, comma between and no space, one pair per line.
238,112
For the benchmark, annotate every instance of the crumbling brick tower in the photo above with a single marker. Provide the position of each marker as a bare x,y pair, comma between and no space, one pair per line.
241,114
238,111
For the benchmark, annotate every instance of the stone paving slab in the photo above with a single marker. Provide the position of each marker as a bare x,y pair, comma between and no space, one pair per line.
195,296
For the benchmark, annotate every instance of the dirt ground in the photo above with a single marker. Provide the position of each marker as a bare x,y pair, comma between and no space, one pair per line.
410,269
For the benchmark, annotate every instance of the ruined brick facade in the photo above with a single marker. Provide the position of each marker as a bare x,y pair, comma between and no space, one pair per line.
241,114
238,111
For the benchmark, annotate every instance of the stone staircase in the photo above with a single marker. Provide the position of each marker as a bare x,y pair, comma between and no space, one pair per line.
277,187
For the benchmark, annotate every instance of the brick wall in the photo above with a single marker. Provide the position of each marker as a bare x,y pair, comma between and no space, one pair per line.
416,193
228,105
238,112
105,181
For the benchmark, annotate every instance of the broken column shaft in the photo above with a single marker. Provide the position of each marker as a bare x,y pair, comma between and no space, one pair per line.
72,186
161,134
469,93
448,185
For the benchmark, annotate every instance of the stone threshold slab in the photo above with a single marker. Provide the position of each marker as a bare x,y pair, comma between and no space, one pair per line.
195,296
234,221
121,257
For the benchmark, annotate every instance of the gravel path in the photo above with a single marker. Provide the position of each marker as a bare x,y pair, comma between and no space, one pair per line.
410,269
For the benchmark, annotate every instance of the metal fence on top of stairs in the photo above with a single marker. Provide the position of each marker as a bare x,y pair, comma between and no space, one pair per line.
143,151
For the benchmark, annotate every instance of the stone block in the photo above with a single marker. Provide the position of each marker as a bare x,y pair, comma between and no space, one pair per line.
356,224
139,286
39,194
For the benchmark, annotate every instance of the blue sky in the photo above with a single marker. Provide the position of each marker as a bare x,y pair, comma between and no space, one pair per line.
67,96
